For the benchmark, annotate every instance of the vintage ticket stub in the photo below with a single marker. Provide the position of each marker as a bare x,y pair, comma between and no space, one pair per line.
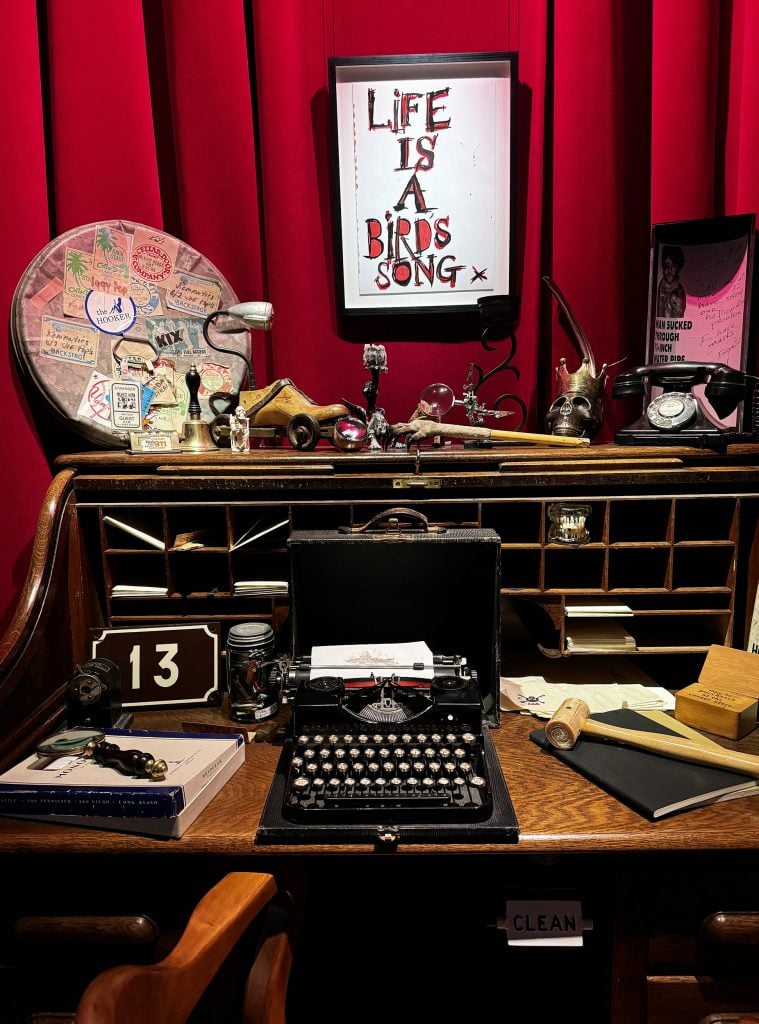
68,341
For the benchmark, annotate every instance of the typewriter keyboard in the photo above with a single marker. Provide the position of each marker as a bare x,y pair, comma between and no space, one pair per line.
432,773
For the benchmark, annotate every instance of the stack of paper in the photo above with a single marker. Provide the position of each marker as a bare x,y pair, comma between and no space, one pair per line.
594,608
598,634
535,695
260,588
135,590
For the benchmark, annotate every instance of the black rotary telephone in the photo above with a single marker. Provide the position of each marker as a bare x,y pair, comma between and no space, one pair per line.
677,416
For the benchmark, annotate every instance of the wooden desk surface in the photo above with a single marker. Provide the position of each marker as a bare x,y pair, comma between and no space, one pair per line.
558,812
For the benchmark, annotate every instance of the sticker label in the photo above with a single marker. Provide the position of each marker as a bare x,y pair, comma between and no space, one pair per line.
95,403
110,253
191,294
126,413
153,255
77,281
47,293
69,342
110,313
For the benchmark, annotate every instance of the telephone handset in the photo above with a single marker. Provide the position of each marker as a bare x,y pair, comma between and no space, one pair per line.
677,416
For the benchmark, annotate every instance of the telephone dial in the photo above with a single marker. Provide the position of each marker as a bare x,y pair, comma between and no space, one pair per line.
677,416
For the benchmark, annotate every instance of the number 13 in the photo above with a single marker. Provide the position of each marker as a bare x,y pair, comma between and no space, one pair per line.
167,663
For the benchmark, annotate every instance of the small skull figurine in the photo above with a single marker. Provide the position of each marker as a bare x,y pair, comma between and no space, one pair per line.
578,410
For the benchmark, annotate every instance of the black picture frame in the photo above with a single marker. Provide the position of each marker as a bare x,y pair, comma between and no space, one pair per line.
423,181
699,303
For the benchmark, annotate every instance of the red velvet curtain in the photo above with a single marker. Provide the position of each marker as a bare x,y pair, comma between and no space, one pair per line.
211,121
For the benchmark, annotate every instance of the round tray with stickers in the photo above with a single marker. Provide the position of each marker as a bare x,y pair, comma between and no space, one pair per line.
108,319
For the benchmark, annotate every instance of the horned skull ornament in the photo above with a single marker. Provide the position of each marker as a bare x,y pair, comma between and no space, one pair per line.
578,409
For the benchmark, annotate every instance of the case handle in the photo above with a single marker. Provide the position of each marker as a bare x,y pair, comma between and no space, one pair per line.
390,518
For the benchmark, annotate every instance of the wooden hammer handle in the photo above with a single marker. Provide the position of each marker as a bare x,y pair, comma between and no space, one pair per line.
672,746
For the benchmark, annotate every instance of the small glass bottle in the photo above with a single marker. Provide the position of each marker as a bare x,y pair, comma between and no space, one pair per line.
251,683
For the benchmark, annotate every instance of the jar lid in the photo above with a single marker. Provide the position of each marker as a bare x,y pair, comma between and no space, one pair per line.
244,634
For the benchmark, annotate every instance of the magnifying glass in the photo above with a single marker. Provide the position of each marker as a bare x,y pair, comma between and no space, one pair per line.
92,743
439,399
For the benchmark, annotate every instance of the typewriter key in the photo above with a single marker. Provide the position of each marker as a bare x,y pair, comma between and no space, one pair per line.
415,753
450,767
363,739
350,782
309,754
428,783
334,783
444,782
444,753
458,781
296,763
377,738
388,767
412,782
465,767
451,738
429,752
317,784
312,768
435,737
370,753
373,768
404,768
318,740
327,767
340,753
419,766
333,740
302,741
399,752
406,738
348,739
477,781
395,782
380,783
354,752
359,767
384,753
469,738
459,753
392,738
342,768
421,739
301,785
434,767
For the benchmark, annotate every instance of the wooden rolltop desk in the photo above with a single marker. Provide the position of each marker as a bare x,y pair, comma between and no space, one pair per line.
672,532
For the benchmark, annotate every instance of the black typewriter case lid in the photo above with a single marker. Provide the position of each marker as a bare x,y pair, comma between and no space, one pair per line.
441,588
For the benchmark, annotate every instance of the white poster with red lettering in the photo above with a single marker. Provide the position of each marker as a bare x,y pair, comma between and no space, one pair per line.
425,185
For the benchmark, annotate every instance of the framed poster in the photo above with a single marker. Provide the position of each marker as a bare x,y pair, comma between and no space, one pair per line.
700,296
423,181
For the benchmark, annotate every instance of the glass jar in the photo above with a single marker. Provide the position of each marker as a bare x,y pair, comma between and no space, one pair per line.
251,683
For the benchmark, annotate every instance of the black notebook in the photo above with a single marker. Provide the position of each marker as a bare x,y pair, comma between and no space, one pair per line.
653,785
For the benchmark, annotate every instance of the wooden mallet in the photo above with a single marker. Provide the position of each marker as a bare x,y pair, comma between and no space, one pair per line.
572,718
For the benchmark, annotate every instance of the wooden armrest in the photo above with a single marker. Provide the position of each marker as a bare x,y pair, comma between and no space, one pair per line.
168,990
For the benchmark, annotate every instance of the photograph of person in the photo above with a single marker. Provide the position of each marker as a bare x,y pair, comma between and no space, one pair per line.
670,296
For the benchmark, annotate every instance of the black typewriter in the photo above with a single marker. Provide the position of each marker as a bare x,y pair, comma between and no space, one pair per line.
388,749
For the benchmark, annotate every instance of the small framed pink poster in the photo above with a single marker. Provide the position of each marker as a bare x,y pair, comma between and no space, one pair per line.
423,181
699,298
